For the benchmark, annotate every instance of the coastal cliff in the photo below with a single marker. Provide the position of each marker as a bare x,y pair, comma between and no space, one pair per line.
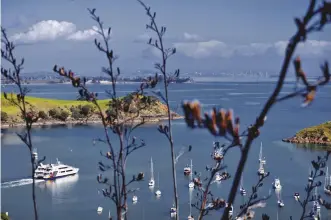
133,109
319,135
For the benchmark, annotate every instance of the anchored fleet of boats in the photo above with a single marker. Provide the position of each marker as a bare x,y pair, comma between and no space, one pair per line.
59,170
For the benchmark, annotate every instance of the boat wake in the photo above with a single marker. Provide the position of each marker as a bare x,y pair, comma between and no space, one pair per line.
17,183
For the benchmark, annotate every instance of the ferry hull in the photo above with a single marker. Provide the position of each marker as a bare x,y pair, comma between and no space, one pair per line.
57,177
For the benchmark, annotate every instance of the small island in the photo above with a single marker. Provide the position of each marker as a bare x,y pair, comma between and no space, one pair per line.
133,109
317,135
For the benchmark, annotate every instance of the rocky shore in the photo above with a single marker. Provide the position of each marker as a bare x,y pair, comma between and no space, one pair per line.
299,140
318,135
90,121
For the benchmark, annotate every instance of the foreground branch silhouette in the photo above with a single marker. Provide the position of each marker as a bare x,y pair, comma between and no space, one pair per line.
18,100
220,123
119,119
324,11
162,68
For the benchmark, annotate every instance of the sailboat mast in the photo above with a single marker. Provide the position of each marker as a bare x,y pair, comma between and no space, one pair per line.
152,169
190,194
191,170
326,177
260,155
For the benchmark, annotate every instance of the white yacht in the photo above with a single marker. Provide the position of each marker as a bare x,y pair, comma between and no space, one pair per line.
54,171
276,184
151,182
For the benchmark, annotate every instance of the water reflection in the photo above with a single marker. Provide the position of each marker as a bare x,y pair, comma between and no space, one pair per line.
60,189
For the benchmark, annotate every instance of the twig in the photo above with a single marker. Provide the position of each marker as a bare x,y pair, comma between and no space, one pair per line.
20,102
298,37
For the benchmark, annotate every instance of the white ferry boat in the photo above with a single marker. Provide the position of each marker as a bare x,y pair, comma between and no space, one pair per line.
54,171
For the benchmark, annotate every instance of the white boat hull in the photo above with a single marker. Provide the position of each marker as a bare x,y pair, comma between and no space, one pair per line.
59,175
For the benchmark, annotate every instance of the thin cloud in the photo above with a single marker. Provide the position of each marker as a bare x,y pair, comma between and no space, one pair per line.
215,48
192,37
87,34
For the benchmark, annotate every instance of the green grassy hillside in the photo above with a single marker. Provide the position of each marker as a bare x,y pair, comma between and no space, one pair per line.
154,108
322,131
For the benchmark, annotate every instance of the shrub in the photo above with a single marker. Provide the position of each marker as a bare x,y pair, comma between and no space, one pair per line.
4,116
54,113
75,114
42,115
3,215
63,115
86,110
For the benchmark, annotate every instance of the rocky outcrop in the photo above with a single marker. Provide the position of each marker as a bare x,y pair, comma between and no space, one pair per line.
319,135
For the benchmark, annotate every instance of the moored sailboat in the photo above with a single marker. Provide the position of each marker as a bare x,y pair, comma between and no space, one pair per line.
190,217
191,184
262,162
151,182
327,182
158,191
242,189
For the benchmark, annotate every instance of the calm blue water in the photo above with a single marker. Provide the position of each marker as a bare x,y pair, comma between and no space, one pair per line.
77,197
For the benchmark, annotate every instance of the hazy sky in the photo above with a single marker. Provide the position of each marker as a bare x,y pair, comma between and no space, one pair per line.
210,35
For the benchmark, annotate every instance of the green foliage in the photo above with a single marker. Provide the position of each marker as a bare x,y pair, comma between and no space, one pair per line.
322,131
42,115
4,116
75,114
63,115
54,113
86,110
4,216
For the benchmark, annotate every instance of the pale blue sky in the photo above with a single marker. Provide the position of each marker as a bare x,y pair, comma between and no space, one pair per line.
211,35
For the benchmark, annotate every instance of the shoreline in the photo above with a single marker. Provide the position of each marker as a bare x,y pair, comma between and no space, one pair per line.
82,122
298,140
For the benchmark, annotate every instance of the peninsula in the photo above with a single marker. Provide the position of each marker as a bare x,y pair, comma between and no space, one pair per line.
133,109
319,135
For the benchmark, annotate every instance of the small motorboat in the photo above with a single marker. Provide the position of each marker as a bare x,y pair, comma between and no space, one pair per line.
190,217
158,193
173,212
187,170
99,210
296,196
218,176
242,191
280,203
134,199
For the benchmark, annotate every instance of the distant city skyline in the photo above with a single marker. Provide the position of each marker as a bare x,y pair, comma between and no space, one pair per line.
212,37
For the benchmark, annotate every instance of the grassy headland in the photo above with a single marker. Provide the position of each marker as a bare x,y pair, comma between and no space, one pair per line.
317,135
54,111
